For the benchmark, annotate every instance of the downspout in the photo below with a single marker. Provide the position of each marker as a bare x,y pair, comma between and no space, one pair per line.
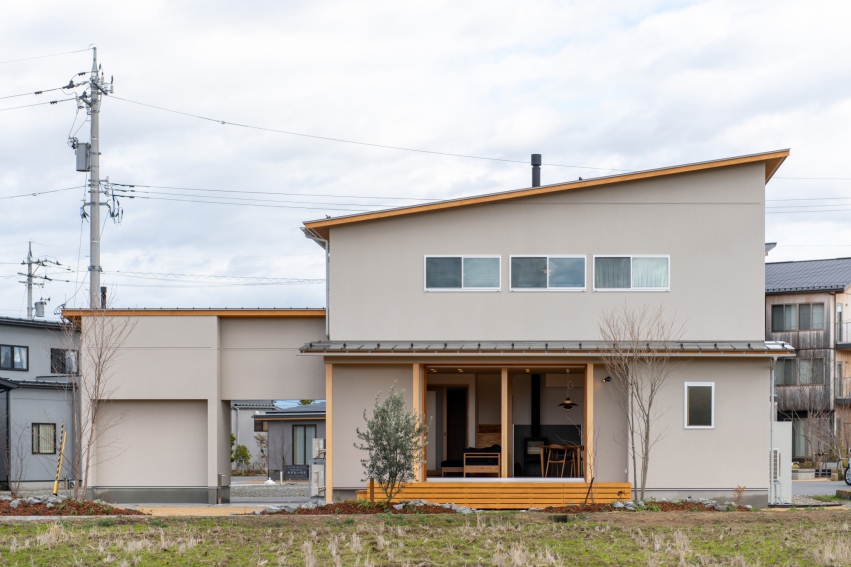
772,487
7,464
325,246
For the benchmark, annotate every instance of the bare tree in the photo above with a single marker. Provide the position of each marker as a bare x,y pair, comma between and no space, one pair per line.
98,337
805,390
637,349
17,456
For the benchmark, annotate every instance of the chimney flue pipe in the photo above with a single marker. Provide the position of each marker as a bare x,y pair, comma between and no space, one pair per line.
536,170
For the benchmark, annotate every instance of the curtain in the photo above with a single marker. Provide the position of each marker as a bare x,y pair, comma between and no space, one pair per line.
529,273
298,445
818,316
649,272
567,272
611,273
481,272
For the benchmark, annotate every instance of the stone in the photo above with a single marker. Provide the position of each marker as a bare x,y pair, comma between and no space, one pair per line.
49,505
720,508
257,512
272,509
640,503
398,506
289,508
748,506
618,505
14,503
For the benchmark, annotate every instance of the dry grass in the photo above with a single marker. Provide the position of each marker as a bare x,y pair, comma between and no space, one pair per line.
499,539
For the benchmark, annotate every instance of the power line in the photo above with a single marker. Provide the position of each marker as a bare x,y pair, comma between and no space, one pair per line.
254,205
37,104
161,275
34,92
274,193
127,194
41,192
44,56
344,141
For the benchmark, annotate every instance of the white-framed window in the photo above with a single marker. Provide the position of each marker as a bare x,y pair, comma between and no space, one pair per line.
463,273
632,273
699,405
547,273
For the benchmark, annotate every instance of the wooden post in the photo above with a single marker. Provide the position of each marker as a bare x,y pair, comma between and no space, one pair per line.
588,422
329,434
504,424
418,401
372,490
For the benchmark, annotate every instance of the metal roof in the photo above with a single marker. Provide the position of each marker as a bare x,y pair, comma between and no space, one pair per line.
32,323
314,410
808,276
772,161
550,348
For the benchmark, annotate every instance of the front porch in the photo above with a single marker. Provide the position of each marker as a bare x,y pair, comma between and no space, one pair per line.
508,493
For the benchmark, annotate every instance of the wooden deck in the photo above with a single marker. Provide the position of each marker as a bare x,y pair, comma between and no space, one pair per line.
508,495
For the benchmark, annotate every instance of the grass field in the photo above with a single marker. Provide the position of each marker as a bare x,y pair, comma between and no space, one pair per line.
796,537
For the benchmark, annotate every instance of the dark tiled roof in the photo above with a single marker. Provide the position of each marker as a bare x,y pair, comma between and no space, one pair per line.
316,409
808,276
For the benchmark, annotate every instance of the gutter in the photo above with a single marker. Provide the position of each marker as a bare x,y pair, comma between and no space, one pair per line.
312,235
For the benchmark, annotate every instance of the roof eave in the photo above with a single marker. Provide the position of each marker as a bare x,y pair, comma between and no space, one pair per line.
772,160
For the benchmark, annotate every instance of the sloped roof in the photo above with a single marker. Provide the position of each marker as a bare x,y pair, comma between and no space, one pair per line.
315,410
808,276
772,161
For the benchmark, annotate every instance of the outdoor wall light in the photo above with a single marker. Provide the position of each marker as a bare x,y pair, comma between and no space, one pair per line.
607,379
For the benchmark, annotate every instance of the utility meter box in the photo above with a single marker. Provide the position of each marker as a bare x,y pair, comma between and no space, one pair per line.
317,480
84,157
319,448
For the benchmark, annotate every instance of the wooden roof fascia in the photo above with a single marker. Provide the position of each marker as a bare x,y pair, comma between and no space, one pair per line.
73,314
772,161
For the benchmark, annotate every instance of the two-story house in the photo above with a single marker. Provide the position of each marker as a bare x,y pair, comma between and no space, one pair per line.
486,312
35,402
804,306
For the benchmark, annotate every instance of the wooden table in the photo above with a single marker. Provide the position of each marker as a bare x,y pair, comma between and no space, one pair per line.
577,450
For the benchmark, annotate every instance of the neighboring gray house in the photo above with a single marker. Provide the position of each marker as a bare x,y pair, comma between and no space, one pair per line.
804,306
35,400
291,433
242,423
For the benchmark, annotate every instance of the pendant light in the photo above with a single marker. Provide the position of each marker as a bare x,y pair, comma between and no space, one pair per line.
568,404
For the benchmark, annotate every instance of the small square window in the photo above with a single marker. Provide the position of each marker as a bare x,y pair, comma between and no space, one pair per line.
44,438
699,405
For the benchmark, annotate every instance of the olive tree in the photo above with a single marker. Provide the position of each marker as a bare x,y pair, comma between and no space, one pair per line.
394,440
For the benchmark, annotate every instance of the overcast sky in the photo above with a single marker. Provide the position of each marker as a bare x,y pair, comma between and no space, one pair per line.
618,85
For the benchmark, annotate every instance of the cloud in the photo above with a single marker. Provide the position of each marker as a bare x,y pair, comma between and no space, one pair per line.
616,84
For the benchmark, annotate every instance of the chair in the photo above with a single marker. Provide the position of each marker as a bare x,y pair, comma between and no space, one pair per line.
557,455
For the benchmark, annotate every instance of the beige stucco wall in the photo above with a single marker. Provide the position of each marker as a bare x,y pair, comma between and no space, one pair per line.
260,359
354,389
155,443
735,452
711,223
167,360
610,454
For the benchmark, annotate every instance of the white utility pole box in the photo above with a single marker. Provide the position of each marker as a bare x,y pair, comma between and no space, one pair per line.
317,480
780,487
319,448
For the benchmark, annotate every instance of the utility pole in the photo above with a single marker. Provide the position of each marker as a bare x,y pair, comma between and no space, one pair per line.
88,159
94,187
30,282
34,264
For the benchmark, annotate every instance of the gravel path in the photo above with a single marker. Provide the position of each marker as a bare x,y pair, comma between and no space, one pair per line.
287,490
